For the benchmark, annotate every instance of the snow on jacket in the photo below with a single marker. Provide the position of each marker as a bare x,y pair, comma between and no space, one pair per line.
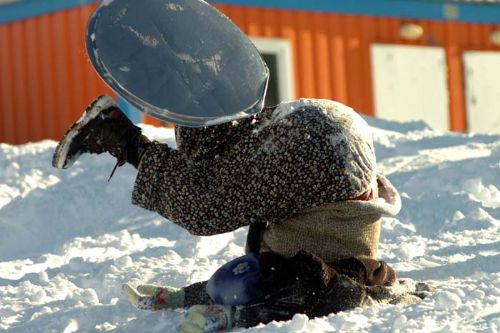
262,169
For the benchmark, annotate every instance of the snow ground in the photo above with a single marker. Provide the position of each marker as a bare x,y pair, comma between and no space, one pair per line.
69,239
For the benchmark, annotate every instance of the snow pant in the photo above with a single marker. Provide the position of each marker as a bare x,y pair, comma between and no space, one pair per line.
303,284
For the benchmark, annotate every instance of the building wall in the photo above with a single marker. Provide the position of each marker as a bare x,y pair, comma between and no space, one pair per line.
46,80
332,51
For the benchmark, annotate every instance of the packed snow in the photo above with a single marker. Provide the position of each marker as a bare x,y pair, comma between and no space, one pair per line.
69,240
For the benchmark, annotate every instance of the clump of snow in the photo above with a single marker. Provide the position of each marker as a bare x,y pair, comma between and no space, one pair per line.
174,7
69,239
213,62
489,195
106,2
358,124
146,40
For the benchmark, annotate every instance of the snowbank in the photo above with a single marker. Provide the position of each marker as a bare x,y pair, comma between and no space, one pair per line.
69,239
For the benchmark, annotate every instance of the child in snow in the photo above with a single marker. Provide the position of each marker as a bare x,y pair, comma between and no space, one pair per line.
301,174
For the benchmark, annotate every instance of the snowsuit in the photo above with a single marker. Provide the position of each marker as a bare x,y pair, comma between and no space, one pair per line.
261,169
303,175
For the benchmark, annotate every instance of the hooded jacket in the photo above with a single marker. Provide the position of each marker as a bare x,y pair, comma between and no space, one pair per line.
295,168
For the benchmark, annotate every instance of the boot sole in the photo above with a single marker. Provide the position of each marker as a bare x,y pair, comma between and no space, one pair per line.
60,159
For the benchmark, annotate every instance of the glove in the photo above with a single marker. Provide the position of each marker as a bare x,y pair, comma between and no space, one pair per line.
207,318
152,297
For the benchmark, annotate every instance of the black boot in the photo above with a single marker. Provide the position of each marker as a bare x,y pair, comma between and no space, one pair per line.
102,128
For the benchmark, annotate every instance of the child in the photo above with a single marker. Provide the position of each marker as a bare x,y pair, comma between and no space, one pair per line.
302,174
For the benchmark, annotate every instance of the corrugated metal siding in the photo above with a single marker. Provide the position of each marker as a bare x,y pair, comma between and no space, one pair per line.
326,49
332,51
46,80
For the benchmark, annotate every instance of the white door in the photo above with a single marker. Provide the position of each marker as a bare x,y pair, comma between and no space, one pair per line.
410,83
482,84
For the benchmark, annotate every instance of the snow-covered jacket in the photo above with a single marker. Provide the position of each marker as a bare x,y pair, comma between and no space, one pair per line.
263,169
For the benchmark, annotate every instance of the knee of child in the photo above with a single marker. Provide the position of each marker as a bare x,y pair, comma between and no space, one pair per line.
237,282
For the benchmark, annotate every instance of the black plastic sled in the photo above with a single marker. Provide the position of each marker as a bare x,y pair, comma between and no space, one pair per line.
181,61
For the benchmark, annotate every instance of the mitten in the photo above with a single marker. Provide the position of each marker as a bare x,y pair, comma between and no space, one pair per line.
152,297
208,318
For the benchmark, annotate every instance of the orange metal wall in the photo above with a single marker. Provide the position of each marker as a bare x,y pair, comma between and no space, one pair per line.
332,51
46,80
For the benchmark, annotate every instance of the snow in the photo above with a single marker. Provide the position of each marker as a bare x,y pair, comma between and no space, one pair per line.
212,62
149,41
174,7
106,2
69,240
